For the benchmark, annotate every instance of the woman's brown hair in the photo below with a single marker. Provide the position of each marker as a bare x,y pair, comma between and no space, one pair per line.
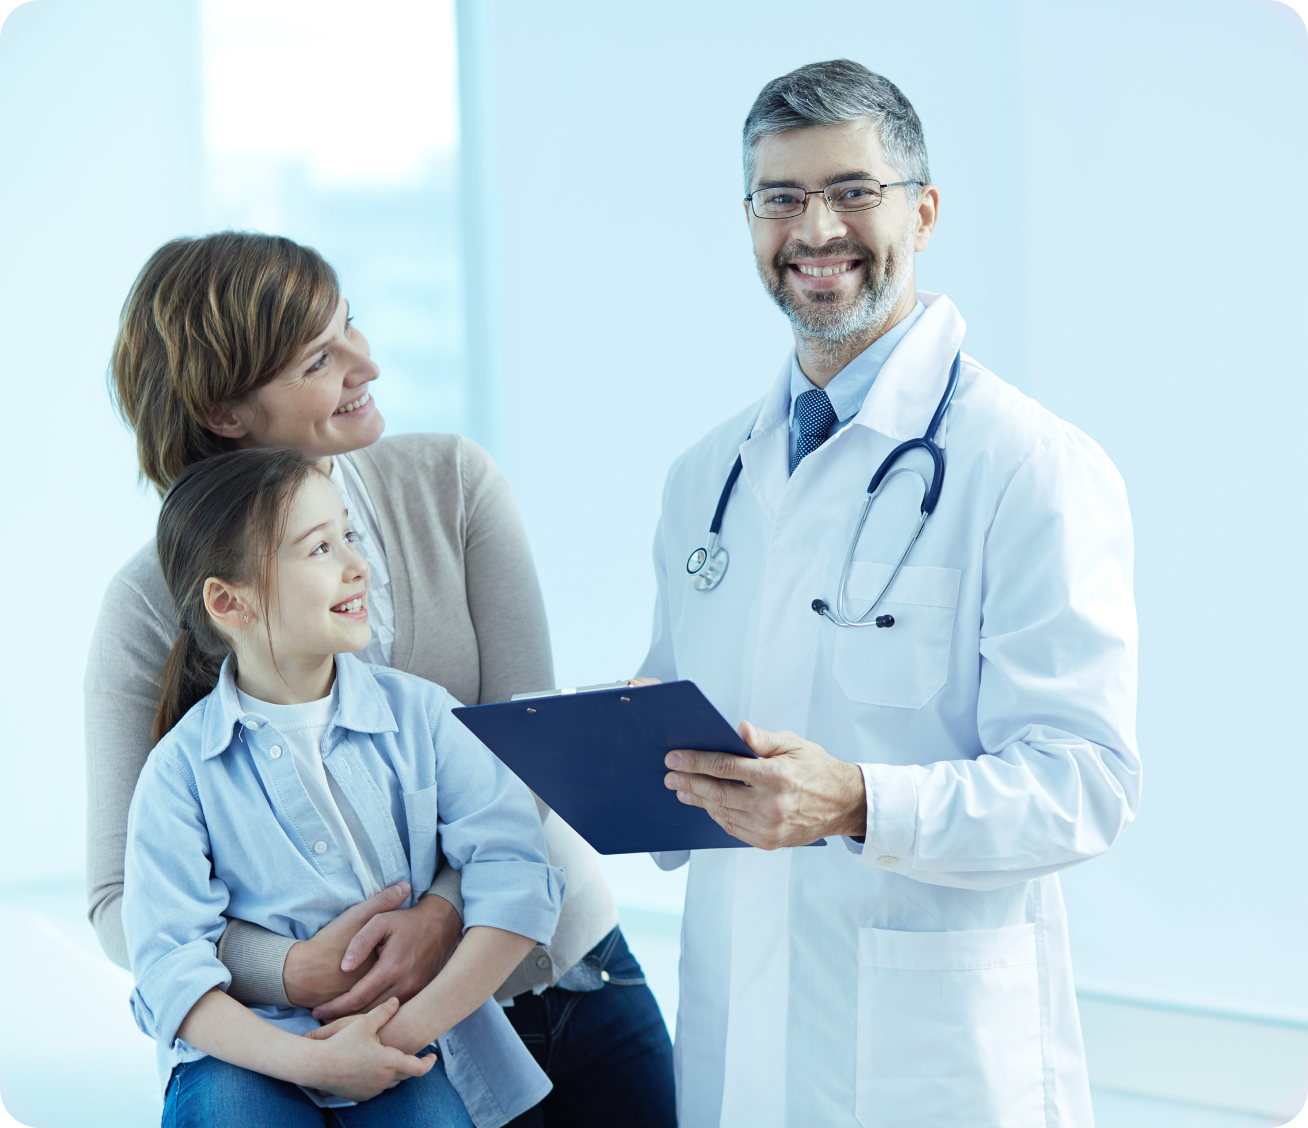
208,321
224,516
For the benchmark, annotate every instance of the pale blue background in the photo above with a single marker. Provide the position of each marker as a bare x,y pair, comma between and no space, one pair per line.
1122,227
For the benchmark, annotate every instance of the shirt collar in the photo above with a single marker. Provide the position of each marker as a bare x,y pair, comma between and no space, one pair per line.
850,386
909,386
363,706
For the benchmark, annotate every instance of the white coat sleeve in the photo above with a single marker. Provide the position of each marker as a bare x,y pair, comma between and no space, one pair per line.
1059,775
661,662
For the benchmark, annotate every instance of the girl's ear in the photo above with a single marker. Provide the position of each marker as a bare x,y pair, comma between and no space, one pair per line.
223,420
231,609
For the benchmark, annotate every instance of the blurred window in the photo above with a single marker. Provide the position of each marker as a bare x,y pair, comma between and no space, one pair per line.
336,125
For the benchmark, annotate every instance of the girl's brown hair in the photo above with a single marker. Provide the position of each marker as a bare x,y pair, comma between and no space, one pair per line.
223,517
210,320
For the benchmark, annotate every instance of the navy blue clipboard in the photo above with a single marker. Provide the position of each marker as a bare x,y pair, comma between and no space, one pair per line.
597,759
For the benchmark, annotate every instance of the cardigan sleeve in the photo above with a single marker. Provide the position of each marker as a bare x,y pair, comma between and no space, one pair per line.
132,639
128,650
504,596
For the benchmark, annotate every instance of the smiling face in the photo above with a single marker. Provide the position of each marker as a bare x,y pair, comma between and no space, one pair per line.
318,606
320,404
842,278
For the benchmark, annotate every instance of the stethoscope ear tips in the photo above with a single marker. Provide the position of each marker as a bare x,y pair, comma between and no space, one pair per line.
885,620
820,606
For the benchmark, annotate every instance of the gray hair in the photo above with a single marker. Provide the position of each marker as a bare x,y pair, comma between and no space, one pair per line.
833,93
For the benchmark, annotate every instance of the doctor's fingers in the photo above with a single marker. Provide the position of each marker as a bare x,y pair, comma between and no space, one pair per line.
721,765
710,792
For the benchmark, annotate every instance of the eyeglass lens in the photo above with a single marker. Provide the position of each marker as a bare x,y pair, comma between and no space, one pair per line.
846,196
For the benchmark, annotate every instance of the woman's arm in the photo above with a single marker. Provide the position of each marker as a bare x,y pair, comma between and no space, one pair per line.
128,650
352,1063
504,597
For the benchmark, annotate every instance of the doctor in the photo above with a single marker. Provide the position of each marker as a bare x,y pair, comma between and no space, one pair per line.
915,971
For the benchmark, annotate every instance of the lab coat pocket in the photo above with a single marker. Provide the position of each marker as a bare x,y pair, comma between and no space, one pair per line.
949,1029
904,665
420,814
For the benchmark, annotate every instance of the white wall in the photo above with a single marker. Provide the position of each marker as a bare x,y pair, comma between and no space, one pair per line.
99,142
1122,228
1166,159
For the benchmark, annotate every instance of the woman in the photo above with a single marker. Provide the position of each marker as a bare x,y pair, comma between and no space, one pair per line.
241,340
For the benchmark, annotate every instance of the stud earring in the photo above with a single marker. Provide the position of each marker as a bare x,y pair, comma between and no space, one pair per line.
245,618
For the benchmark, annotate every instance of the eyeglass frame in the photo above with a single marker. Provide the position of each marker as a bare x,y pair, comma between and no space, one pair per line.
881,189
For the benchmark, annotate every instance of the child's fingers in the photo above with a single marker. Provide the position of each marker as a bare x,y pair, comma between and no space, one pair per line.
418,1066
379,1016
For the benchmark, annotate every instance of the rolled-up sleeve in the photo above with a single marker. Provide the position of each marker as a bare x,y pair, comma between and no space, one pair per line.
172,902
491,832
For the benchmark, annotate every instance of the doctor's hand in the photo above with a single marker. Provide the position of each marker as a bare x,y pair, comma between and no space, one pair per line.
794,794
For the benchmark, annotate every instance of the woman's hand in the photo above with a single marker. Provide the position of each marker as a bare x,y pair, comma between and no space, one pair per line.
352,1062
409,947
312,972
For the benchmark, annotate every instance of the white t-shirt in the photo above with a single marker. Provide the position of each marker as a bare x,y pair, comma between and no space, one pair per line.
303,727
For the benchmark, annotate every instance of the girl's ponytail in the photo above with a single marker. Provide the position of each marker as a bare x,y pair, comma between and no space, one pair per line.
188,676
223,518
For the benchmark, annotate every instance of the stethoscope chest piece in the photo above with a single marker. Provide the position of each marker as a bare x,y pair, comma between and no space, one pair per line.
707,566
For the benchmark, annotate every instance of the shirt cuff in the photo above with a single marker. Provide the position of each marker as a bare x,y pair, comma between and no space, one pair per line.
891,817
255,957
448,884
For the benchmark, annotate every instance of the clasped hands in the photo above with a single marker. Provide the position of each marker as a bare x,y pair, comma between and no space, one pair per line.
370,953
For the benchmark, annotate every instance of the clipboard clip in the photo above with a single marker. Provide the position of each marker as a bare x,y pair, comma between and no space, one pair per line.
568,691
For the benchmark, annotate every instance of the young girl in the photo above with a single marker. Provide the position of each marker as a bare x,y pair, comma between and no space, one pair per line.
291,780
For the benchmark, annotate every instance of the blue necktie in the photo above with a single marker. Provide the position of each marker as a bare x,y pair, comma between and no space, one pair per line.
816,418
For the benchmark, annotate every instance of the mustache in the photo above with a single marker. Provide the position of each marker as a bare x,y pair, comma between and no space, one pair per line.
793,252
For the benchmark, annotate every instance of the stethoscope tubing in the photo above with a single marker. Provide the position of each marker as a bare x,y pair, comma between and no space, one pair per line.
708,565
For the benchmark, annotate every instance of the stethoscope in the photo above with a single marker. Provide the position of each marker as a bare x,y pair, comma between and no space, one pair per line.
708,565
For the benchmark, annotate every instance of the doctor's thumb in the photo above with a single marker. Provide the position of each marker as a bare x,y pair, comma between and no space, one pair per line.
761,742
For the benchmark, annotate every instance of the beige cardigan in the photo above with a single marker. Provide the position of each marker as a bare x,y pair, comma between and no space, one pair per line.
468,616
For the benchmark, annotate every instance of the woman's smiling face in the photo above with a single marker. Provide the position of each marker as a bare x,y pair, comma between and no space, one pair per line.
320,404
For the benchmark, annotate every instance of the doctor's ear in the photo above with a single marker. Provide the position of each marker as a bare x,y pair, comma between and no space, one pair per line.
927,213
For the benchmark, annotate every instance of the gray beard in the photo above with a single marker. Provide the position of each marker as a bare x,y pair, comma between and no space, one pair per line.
826,327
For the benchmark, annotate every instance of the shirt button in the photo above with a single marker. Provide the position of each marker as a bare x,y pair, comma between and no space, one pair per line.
320,847
252,724
604,975
275,751
887,860
542,962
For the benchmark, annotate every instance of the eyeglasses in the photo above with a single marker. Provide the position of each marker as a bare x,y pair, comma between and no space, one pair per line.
845,196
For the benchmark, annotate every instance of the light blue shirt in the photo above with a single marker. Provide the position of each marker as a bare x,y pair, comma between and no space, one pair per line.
850,386
221,826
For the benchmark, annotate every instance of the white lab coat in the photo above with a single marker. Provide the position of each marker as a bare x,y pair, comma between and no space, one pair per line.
927,980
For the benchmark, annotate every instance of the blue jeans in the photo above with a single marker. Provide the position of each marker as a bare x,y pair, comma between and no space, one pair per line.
212,1094
607,1051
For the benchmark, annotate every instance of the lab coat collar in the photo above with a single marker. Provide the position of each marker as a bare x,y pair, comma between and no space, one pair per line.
908,388
362,705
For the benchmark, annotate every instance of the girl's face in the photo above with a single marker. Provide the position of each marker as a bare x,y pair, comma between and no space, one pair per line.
318,606
320,602
321,404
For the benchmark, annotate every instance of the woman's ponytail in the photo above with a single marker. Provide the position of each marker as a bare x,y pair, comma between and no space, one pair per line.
223,518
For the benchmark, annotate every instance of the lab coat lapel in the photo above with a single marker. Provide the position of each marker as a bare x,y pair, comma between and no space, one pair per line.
765,455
